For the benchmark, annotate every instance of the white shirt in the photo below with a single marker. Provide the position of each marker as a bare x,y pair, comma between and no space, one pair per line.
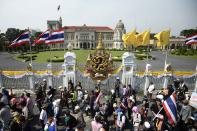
43,116
151,88
122,122
80,95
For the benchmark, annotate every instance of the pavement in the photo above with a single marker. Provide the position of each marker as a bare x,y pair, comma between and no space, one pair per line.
7,62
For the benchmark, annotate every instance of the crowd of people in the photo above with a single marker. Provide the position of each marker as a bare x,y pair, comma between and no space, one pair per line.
123,108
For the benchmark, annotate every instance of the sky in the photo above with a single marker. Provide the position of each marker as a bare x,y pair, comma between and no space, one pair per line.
156,15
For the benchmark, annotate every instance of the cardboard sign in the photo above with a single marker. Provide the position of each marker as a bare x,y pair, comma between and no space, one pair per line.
193,100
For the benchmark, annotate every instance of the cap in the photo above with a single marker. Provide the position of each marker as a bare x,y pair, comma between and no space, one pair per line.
60,87
147,124
135,109
15,114
117,78
159,97
77,108
114,105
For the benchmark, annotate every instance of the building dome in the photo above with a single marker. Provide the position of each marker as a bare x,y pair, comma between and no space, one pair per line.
120,24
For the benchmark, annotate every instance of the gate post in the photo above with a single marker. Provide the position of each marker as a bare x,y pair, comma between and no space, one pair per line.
147,82
69,67
30,77
196,81
128,69
49,67
1,82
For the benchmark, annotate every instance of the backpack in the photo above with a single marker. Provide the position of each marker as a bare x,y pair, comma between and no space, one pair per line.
70,121
136,119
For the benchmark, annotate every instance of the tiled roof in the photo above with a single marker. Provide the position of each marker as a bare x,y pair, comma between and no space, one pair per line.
97,28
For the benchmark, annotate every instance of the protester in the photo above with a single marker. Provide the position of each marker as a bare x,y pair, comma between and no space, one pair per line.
122,109
43,116
5,115
70,121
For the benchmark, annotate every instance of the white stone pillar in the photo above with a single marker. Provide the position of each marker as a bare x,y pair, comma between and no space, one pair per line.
65,81
128,69
1,82
31,82
49,67
165,84
147,82
195,90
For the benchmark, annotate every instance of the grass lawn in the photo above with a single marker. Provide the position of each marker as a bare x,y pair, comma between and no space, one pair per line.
81,55
189,56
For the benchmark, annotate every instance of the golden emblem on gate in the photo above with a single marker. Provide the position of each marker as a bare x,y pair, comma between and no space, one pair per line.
99,64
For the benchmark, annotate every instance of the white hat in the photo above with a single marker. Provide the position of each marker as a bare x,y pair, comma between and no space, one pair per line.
114,105
77,108
147,124
131,98
44,80
112,91
117,78
159,97
56,102
60,87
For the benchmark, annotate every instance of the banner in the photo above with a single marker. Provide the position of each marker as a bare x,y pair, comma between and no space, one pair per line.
193,100
59,73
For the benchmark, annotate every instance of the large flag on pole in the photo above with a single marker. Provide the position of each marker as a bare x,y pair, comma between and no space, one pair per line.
163,38
170,108
191,40
143,38
129,38
22,39
55,37
42,37
58,7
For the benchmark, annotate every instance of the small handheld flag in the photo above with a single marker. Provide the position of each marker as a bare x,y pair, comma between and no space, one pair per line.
170,108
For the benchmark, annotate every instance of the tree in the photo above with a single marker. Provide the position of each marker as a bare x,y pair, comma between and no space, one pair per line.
12,33
188,32
2,41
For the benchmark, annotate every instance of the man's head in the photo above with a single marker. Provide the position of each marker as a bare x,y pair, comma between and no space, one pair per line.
97,118
67,112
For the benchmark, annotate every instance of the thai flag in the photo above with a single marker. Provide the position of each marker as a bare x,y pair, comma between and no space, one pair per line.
55,37
42,37
191,40
170,108
22,39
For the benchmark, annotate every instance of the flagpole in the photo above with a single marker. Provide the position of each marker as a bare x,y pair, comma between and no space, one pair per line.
30,47
166,57
157,113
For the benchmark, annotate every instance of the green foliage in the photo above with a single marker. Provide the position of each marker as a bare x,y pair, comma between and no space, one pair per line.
185,52
117,59
188,32
12,33
56,59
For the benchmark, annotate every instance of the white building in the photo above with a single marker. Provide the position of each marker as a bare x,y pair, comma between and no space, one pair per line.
86,37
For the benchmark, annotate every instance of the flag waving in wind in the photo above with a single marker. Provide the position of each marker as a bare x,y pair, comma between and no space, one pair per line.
58,8
42,37
129,38
170,108
191,40
22,39
55,37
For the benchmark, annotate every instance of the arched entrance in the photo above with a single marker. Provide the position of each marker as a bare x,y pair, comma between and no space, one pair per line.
85,45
